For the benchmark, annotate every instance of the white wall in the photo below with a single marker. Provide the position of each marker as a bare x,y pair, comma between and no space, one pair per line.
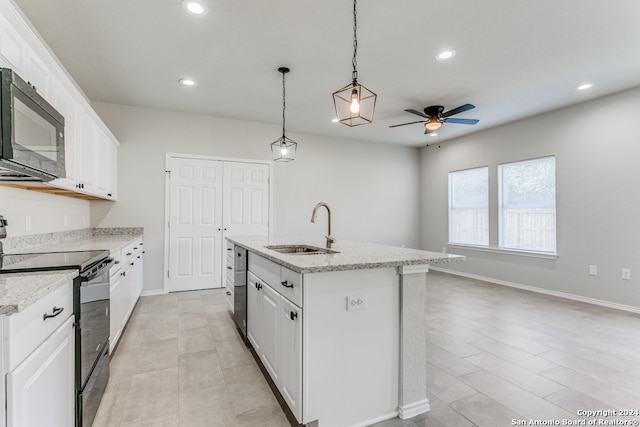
597,149
373,189
48,213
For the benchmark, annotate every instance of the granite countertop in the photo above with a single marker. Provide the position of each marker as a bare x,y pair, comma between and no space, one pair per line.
19,290
107,242
351,255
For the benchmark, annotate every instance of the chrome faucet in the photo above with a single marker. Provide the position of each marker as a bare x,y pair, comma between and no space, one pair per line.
314,215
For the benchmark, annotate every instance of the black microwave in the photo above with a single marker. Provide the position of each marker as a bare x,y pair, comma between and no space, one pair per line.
31,133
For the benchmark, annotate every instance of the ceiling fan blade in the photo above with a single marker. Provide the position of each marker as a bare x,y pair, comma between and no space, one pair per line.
461,121
458,110
410,123
420,113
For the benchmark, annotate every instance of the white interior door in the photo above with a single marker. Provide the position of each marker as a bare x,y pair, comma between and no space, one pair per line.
195,224
246,199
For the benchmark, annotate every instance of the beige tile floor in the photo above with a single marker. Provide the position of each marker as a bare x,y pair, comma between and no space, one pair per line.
495,355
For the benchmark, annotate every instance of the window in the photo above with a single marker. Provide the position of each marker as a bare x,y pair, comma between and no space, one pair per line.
527,205
469,207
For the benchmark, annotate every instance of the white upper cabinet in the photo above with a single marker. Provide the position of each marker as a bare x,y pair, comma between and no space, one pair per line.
90,148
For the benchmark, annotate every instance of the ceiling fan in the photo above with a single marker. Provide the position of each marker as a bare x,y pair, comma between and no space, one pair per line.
436,117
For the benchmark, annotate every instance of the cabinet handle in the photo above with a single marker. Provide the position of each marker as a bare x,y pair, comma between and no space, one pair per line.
117,262
124,273
132,263
138,257
293,315
229,267
135,249
128,253
56,311
109,194
228,293
285,284
143,252
258,286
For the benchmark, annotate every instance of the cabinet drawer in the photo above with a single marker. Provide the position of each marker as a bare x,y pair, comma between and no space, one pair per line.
230,271
266,270
291,285
28,329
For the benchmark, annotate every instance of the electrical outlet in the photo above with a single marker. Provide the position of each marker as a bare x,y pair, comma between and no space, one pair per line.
66,220
626,274
27,223
356,302
593,270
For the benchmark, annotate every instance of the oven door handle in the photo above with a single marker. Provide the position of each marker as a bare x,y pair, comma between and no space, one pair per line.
105,266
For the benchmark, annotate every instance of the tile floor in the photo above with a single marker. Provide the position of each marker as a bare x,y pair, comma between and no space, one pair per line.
495,355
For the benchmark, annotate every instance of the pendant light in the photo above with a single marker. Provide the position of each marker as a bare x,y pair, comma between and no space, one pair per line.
283,149
354,103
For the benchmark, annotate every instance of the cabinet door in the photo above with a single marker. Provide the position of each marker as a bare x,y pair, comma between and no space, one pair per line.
117,312
41,390
87,152
112,171
254,312
66,105
290,341
270,331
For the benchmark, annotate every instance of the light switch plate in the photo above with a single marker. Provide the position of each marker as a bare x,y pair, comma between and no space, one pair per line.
356,302
593,270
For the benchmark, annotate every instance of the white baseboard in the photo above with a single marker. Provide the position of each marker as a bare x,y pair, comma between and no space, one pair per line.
413,409
152,292
565,295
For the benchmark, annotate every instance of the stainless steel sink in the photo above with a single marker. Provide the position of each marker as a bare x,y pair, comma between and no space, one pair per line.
300,249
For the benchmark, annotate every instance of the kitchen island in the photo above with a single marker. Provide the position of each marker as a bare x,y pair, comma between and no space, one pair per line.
342,335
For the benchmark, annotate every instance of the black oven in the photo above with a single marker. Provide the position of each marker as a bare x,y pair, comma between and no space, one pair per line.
31,133
92,304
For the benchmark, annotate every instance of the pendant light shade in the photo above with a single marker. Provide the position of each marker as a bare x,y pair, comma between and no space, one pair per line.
283,149
355,104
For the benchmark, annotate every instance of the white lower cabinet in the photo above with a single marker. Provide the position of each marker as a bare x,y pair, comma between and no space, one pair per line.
270,355
274,329
127,281
40,391
38,354
290,378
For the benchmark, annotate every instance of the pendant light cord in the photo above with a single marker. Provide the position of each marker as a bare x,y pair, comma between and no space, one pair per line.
354,61
283,103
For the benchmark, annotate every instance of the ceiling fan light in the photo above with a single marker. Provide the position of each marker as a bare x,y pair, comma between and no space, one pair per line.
433,124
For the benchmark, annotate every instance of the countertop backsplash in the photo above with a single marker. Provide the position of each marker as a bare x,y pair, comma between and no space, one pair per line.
24,243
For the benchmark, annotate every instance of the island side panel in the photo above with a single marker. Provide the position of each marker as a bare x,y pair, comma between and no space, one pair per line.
351,358
413,351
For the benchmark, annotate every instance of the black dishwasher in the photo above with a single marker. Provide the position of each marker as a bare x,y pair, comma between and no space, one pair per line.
240,288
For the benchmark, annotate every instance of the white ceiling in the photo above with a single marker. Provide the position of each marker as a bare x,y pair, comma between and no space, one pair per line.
514,58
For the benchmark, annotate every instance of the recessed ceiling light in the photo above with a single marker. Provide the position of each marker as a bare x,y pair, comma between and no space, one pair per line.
187,82
195,7
446,54
584,86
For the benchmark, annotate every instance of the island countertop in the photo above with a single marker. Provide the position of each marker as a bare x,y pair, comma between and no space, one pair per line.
351,255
